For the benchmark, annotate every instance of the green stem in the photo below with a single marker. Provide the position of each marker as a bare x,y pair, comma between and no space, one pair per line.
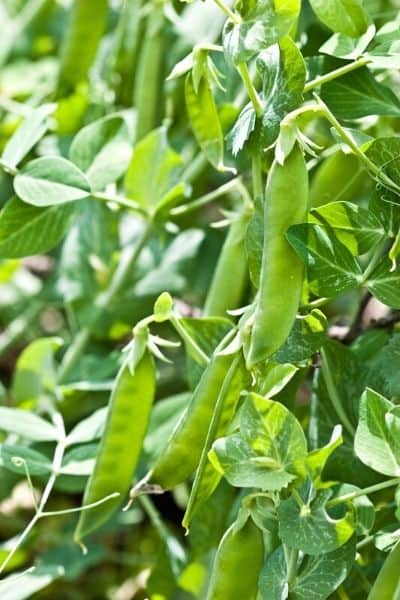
318,81
368,490
347,138
103,301
292,566
229,13
10,170
67,511
56,465
333,394
251,90
121,201
207,198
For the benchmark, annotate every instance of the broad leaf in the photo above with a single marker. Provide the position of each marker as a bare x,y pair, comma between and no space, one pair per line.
306,337
317,576
377,441
153,171
20,459
31,130
309,527
331,269
354,226
342,16
49,181
27,425
358,95
26,230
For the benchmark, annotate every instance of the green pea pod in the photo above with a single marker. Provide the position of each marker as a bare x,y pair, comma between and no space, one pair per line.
148,75
237,564
222,295
183,451
207,478
281,278
326,186
204,119
128,416
87,25
387,584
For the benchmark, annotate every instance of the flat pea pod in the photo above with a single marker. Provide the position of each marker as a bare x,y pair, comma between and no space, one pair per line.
87,24
387,584
222,295
204,120
128,417
183,451
281,278
237,564
148,75
326,186
207,478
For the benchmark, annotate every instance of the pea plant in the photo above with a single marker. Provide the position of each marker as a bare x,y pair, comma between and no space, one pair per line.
200,294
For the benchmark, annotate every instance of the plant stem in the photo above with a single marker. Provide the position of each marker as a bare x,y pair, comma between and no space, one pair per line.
318,81
104,300
56,465
369,490
229,13
333,394
121,201
206,199
67,511
347,138
251,90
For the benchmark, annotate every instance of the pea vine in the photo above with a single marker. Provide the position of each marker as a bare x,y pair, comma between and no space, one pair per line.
200,292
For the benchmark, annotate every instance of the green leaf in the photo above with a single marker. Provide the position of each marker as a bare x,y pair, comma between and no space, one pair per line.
316,579
350,48
377,441
31,130
263,24
20,586
88,429
35,372
317,459
309,527
384,283
359,94
356,227
331,269
49,181
273,377
306,337
87,253
153,171
18,459
26,230
342,16
385,153
263,454
102,150
27,425
80,461
283,74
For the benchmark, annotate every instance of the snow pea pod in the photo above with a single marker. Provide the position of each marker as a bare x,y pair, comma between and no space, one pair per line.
387,584
183,451
146,89
286,202
128,416
87,25
204,119
222,296
237,564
